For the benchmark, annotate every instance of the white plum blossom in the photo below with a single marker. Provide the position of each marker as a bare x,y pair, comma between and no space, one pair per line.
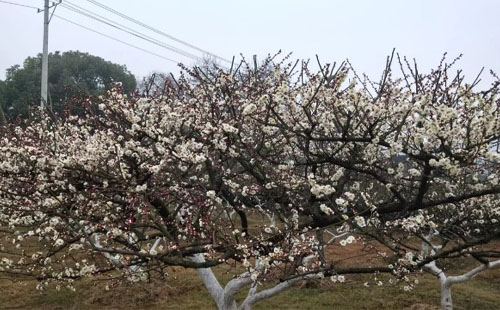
326,209
350,196
341,202
249,109
360,221
414,172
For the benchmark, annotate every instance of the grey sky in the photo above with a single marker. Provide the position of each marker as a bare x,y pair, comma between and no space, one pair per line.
363,31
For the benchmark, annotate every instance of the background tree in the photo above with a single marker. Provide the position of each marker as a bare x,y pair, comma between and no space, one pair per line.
3,118
71,74
155,84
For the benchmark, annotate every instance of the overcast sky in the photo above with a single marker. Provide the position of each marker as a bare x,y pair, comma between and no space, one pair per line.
363,31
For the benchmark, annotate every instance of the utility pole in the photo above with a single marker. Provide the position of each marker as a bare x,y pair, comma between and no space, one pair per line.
45,55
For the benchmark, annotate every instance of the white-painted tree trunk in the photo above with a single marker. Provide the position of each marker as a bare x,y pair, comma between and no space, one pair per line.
224,297
445,281
255,297
446,302
445,285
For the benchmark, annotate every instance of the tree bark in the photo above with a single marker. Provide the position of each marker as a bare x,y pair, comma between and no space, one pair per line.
446,301
224,298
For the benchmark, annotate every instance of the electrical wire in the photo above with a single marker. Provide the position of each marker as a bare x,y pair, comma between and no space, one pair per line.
20,4
115,39
75,8
121,27
156,30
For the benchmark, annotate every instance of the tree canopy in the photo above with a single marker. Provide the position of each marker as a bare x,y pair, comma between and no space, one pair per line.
71,74
249,170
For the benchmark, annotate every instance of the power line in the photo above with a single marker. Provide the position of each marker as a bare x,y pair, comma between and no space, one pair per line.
121,27
19,4
115,39
156,30
132,32
80,10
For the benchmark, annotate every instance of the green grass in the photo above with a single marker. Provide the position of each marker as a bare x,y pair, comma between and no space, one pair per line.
184,290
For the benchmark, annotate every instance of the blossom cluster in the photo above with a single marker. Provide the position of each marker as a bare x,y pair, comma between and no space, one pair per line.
140,184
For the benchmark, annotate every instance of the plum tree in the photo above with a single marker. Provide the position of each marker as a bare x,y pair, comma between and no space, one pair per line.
249,169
